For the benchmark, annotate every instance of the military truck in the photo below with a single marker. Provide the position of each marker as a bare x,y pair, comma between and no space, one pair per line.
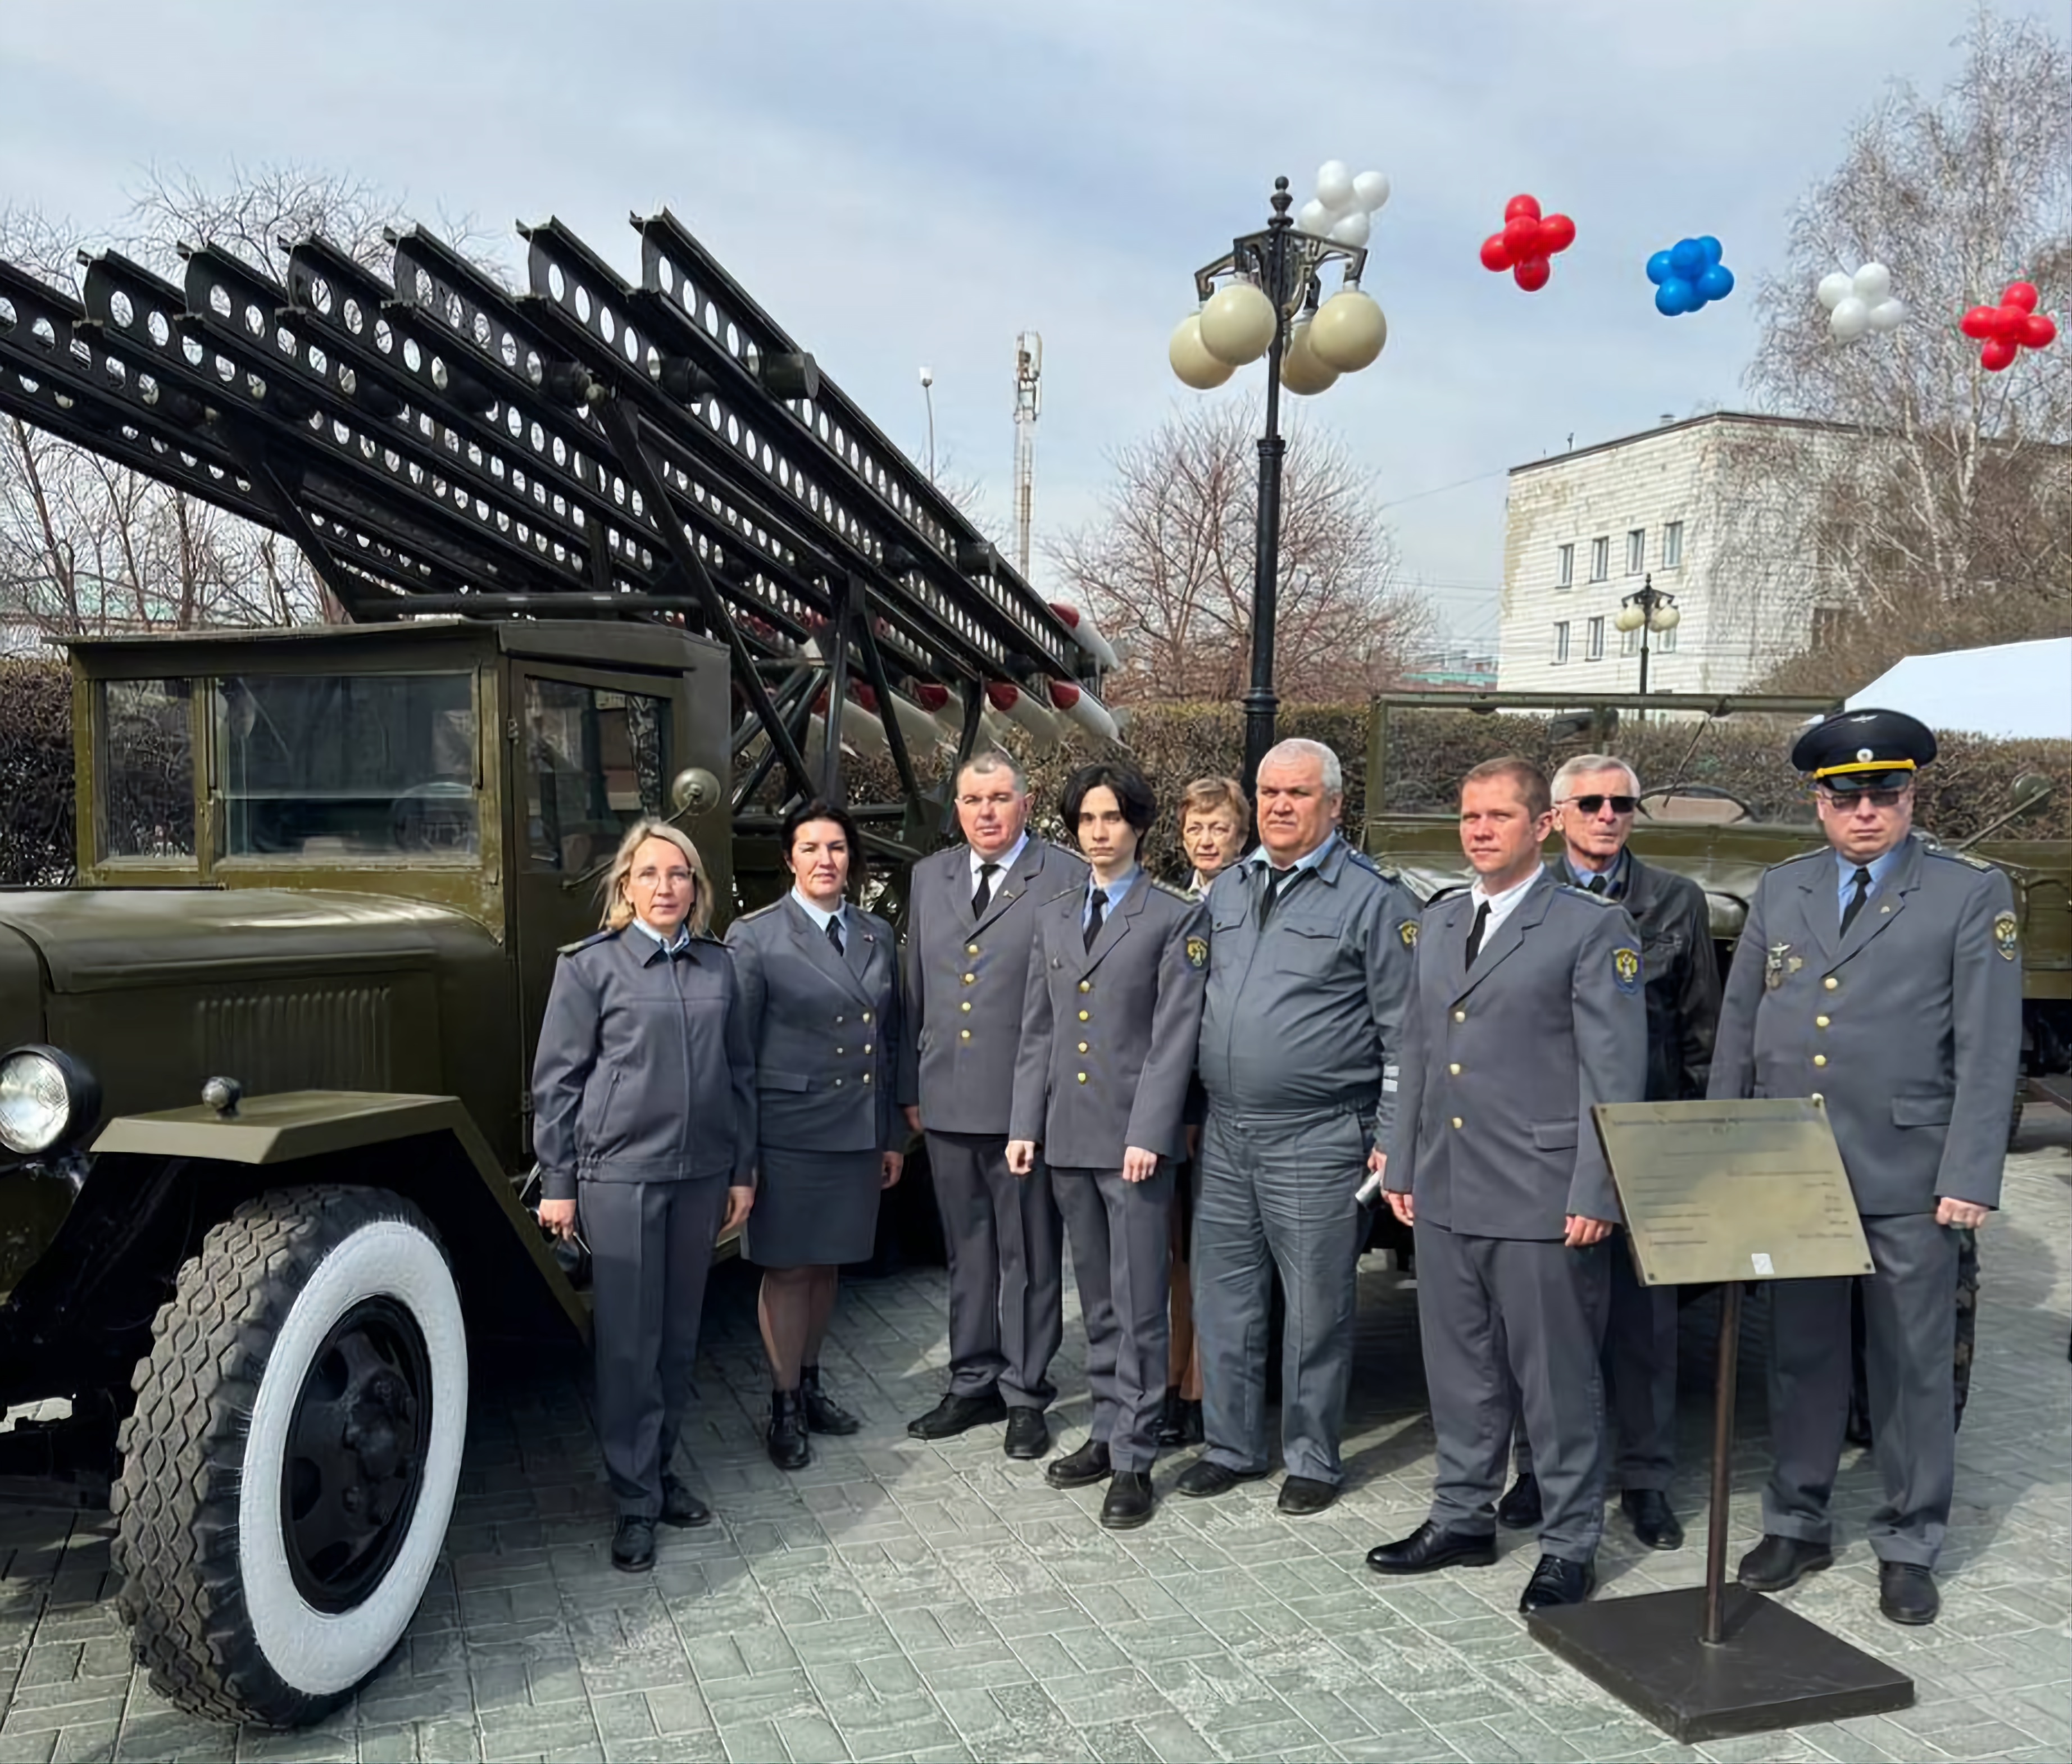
603,552
1721,805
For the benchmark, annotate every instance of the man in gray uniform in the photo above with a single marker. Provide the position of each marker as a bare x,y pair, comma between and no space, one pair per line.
1525,1012
1882,978
1596,798
1309,958
1113,1008
971,919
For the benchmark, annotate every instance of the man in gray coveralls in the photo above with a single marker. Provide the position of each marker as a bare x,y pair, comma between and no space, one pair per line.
1881,977
1310,957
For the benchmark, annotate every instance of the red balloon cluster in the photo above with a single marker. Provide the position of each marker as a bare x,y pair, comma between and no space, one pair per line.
1528,240
2013,325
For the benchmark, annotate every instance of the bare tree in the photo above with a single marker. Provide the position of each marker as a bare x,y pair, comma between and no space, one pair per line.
1937,511
1168,567
86,545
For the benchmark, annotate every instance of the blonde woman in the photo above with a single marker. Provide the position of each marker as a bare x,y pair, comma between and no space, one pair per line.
643,1096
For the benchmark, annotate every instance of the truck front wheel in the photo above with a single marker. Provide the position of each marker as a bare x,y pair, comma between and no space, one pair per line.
290,1467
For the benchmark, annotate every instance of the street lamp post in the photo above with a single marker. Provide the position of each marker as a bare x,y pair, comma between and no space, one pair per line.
1647,608
1265,299
928,398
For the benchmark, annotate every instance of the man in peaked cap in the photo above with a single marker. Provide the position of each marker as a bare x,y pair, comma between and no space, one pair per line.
1881,977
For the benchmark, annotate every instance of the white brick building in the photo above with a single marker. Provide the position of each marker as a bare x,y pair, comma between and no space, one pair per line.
1585,528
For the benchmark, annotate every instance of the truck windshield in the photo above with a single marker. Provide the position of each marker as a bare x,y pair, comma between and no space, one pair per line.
347,766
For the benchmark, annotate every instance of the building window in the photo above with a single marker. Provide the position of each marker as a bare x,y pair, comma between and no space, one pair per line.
1560,641
1601,558
1672,545
1826,626
1636,551
1564,567
1629,642
1666,640
1594,643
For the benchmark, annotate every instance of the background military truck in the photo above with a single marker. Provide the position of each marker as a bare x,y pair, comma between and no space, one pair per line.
1721,804
606,552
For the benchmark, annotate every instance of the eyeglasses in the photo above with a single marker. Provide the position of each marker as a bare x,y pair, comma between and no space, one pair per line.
1877,799
1621,805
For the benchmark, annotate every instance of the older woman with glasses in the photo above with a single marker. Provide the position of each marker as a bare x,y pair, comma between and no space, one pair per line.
644,1124
820,977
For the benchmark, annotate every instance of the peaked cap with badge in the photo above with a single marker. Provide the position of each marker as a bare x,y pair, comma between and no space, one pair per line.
1857,750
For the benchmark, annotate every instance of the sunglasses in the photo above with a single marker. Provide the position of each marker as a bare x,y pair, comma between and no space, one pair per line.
1877,799
1590,805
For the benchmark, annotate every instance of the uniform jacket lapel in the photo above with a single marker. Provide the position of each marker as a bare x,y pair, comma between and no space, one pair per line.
1114,927
1821,911
1507,937
813,944
1010,885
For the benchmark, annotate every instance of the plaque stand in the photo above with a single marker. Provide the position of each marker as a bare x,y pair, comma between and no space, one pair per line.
1706,1663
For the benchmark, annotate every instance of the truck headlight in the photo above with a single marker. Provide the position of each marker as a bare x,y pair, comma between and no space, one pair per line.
48,1100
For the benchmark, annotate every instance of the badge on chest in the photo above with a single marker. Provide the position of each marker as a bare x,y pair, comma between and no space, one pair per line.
1778,963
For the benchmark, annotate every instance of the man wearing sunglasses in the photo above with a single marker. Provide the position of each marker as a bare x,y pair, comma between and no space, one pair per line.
1595,799
1882,978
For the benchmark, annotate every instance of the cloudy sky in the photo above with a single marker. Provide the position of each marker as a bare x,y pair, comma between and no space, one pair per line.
909,182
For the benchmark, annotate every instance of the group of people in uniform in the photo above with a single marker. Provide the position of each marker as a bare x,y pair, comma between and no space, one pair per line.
1198,1087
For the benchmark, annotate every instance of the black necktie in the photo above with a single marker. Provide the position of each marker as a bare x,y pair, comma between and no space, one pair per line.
1278,882
1856,902
1475,932
834,935
1094,917
1598,885
985,892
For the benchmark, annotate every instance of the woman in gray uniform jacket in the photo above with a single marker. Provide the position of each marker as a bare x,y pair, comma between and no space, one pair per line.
820,995
644,1098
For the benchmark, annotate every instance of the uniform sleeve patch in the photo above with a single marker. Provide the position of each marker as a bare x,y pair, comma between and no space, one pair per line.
1408,931
1198,953
1625,969
2007,938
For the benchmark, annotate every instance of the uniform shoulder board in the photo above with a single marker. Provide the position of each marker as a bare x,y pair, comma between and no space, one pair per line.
1355,855
1077,888
1960,858
716,943
584,943
1803,857
760,912
1164,887
1584,893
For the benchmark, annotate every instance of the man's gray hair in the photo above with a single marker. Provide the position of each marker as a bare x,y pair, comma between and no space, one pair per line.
1296,748
1583,764
989,760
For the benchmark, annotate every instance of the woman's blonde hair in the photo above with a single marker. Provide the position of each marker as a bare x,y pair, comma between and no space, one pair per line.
1206,795
619,909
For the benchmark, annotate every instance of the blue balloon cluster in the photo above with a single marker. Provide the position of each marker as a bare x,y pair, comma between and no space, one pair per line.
1689,275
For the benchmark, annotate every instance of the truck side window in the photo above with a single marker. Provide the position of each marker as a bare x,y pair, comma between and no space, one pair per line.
595,762
147,780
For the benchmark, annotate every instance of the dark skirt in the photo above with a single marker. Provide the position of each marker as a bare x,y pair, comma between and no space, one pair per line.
813,1208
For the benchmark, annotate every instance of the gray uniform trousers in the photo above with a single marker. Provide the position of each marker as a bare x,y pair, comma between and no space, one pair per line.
1277,1191
651,1246
1473,1294
1121,1253
1639,1368
1910,1341
1005,1243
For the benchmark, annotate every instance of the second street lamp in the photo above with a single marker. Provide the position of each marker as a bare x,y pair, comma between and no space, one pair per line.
1647,608
1265,298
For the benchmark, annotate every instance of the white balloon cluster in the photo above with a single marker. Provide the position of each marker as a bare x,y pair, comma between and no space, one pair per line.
1345,205
1861,302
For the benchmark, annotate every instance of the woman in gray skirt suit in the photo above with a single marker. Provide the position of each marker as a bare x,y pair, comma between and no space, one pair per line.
820,988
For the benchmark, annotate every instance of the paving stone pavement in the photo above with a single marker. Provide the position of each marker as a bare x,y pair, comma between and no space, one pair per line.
900,1601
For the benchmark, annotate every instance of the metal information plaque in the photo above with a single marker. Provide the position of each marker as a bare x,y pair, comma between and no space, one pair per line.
1732,1190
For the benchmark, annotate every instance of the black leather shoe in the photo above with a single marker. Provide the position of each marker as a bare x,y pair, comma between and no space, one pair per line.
1557,1582
823,1414
1204,1477
680,1507
633,1545
1302,1495
1129,1501
1082,1468
955,1415
1518,1511
788,1450
1429,1549
1181,1424
1906,1593
1653,1522
1028,1434
1778,1562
